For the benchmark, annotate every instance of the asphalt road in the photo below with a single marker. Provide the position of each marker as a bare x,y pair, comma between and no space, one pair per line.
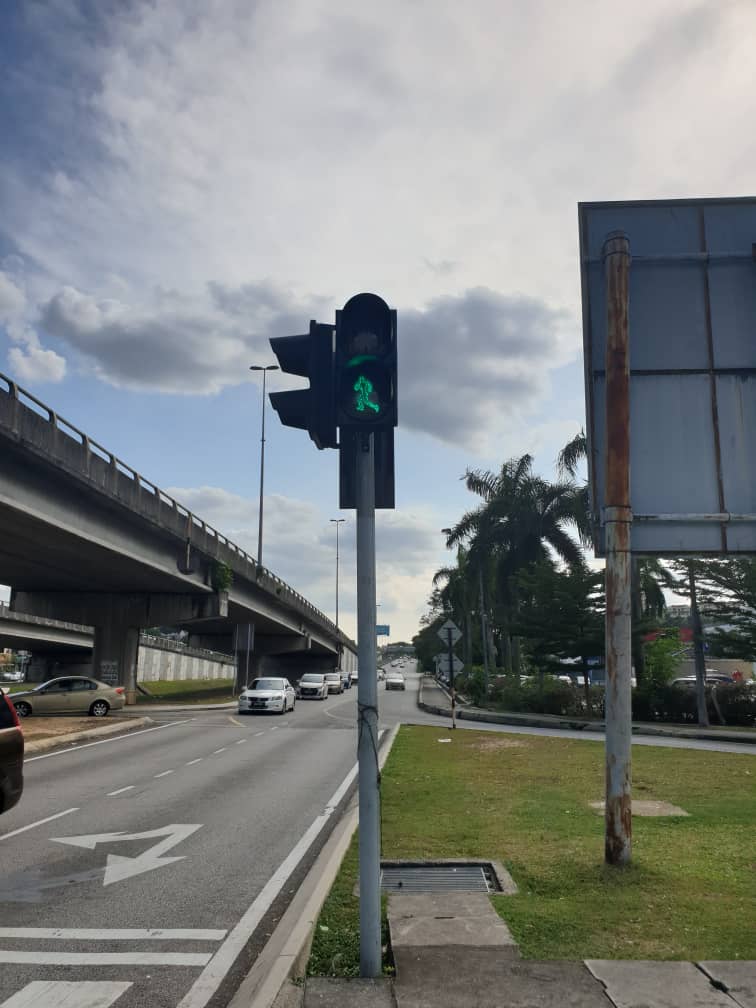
207,806
215,817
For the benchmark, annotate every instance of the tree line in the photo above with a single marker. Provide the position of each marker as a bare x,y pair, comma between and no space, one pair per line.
527,600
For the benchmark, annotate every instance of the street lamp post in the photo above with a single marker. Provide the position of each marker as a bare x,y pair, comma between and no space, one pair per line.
337,522
264,369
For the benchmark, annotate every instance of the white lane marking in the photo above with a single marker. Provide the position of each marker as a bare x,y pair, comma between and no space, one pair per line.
193,761
163,774
112,794
106,958
68,994
114,934
222,749
259,733
241,740
274,728
107,741
39,822
207,983
118,867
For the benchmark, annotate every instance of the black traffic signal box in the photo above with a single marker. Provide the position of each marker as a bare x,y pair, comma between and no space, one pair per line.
312,409
365,365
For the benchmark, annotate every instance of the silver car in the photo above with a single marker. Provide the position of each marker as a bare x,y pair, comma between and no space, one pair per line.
70,695
270,694
333,682
312,686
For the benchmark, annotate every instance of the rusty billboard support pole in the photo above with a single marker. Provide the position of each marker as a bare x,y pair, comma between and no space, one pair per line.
618,520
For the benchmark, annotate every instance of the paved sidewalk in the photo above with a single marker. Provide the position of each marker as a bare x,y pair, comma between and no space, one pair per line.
452,949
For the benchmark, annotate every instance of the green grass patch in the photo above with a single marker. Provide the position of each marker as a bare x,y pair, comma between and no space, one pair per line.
336,942
188,691
524,800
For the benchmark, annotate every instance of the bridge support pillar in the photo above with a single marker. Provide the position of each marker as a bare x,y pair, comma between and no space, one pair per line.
116,651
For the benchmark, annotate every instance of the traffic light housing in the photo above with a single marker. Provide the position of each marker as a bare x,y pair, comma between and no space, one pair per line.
310,356
365,365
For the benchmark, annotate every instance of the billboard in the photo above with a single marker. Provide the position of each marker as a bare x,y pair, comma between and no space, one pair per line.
692,339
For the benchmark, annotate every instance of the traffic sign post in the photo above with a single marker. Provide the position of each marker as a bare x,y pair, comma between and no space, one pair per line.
450,633
367,719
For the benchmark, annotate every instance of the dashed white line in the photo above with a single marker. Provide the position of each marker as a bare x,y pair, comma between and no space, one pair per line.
106,958
241,740
193,761
163,774
114,934
39,822
274,728
259,733
222,749
112,794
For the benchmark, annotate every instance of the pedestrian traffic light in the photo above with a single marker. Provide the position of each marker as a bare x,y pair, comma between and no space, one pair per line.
366,372
312,409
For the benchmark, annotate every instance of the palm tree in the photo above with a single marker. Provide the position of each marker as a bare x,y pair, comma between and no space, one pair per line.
647,573
456,594
523,520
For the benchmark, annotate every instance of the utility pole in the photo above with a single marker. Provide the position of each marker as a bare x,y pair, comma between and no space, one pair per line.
265,369
618,520
337,522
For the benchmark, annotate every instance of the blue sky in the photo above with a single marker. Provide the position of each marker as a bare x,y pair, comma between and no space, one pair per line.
181,182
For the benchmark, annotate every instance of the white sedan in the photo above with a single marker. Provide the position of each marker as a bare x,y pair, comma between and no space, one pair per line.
267,695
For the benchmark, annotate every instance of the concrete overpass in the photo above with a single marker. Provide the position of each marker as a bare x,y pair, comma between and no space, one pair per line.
86,539
58,648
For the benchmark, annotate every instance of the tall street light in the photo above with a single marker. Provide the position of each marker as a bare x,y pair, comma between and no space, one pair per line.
264,369
337,522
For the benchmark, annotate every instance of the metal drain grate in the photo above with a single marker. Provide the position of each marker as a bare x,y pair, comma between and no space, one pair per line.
438,878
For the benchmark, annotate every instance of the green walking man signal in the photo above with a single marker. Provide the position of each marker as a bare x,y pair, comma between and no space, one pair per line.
364,389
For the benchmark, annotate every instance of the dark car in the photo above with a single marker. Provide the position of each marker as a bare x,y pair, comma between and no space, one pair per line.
11,755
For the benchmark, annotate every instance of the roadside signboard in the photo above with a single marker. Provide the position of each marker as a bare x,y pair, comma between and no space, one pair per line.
692,361
443,632
443,664
382,630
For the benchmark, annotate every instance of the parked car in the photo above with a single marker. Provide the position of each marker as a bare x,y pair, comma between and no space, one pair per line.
346,681
395,680
711,677
333,682
353,676
268,694
381,674
312,686
11,755
72,695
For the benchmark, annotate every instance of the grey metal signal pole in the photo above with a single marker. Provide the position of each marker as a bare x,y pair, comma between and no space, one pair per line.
367,717
618,519
450,652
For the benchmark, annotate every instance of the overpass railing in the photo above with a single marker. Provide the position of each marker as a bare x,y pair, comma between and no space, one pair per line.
21,413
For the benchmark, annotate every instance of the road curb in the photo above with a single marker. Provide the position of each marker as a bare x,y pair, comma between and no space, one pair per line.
286,953
45,745
575,724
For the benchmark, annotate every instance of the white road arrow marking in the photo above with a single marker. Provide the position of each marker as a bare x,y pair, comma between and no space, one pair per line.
119,867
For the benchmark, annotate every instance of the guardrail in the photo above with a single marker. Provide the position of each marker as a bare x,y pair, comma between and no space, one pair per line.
146,496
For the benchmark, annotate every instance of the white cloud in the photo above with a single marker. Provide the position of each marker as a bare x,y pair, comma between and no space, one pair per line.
174,342
33,364
12,298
